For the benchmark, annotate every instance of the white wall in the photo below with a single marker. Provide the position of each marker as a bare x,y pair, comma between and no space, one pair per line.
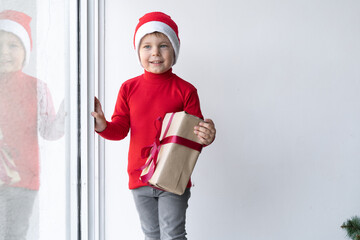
281,80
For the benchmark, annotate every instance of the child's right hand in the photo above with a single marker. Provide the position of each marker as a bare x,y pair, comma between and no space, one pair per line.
100,121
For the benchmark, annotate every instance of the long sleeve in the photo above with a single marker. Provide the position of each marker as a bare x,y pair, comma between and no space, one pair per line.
119,126
192,104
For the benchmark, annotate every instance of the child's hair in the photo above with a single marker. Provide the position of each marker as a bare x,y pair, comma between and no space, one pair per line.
156,34
157,22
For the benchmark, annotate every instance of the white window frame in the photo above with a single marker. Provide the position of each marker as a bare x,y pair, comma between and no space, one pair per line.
91,153
72,124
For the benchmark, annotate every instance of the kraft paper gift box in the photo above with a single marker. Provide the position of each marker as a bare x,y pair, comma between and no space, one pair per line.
175,161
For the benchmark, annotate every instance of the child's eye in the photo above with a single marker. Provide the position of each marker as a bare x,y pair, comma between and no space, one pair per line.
146,46
13,45
163,45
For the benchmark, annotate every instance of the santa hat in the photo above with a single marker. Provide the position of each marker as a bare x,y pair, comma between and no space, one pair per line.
157,22
18,23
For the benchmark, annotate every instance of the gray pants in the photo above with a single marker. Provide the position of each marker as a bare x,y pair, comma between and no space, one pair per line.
16,205
162,214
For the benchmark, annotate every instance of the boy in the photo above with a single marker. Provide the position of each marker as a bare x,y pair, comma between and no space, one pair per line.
140,101
26,112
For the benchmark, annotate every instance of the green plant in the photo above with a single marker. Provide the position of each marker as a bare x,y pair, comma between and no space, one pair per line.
352,227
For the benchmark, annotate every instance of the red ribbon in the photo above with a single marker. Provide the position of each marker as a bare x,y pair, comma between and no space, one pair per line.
152,151
3,174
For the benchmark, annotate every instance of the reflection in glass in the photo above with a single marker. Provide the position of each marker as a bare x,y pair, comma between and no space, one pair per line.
26,111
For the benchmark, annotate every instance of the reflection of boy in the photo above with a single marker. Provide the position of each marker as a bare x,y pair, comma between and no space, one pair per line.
140,101
26,108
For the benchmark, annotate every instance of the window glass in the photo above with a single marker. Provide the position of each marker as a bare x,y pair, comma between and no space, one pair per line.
34,75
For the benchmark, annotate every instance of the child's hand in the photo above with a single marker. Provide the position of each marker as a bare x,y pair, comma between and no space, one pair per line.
100,121
205,131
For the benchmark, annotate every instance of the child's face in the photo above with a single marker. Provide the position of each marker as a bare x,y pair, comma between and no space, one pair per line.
12,53
156,53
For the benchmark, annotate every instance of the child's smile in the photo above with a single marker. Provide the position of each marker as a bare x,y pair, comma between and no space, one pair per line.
156,53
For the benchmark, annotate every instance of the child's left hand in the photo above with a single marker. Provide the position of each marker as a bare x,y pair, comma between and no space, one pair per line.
205,131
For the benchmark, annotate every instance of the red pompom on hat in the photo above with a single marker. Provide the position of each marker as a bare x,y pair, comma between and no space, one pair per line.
157,22
18,23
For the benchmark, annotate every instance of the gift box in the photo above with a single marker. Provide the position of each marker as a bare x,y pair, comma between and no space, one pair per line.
173,155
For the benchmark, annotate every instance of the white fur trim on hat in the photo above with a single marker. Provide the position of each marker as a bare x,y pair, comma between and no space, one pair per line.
18,30
156,26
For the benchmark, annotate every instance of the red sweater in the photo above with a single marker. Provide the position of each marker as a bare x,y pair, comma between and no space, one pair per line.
140,101
26,107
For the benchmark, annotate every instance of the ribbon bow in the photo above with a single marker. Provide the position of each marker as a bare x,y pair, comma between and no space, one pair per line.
151,151
6,164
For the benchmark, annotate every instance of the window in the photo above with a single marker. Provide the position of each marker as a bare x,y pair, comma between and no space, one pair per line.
38,129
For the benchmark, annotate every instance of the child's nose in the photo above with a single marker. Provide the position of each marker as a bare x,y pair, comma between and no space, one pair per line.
155,51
